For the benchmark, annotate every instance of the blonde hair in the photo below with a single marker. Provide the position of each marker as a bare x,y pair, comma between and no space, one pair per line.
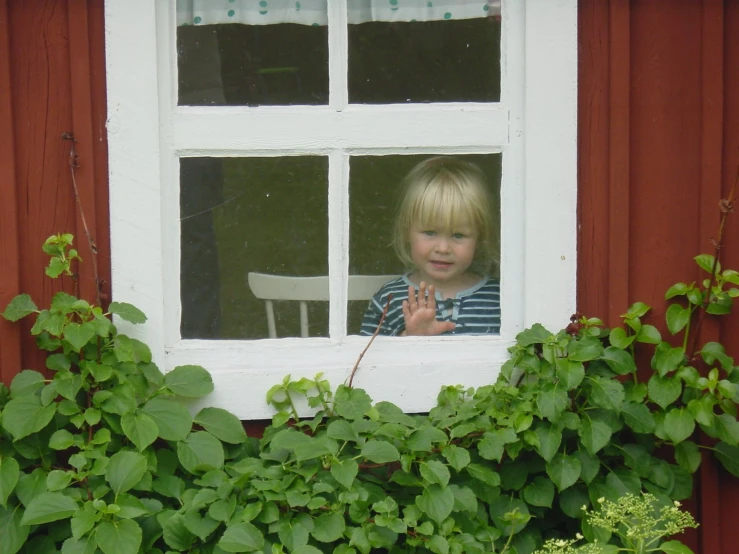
445,192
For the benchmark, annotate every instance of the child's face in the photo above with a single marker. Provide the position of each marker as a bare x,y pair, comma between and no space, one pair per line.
443,256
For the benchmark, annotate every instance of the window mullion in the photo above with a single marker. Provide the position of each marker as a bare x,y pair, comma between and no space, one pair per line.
338,241
338,55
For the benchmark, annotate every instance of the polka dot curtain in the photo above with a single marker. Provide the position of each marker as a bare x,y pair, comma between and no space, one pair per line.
314,12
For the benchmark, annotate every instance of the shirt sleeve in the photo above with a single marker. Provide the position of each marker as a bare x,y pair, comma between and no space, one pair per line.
371,318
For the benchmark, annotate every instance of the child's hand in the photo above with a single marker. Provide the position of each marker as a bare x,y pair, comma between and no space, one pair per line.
420,313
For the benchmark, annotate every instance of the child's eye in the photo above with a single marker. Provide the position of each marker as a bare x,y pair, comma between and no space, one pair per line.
429,233
458,235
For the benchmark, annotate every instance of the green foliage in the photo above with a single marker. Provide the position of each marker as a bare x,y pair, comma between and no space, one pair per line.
104,456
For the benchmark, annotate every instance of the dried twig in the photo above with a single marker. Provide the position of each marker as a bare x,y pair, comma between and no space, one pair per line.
377,332
73,165
726,206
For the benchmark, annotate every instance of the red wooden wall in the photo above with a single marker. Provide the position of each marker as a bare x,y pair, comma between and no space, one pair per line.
658,146
52,81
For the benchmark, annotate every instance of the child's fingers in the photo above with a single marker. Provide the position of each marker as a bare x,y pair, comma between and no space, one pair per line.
431,299
412,303
447,326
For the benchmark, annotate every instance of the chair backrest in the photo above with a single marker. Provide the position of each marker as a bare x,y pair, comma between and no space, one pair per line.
306,289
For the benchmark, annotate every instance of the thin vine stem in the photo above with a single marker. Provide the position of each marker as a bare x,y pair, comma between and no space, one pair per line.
726,206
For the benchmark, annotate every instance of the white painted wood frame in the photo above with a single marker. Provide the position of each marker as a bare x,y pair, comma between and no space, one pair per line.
533,126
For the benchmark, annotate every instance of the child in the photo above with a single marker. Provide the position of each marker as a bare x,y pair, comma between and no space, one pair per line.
445,233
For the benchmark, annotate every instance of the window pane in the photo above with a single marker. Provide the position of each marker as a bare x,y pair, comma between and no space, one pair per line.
375,190
238,65
445,60
242,215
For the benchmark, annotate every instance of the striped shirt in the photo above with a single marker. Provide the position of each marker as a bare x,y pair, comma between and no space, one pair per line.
475,310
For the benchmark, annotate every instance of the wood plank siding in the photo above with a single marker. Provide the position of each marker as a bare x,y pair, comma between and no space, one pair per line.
52,81
658,146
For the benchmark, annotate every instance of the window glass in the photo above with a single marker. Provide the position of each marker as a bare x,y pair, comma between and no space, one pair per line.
425,61
242,215
374,193
236,65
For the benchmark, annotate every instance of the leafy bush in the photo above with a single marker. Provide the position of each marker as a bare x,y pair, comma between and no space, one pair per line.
104,457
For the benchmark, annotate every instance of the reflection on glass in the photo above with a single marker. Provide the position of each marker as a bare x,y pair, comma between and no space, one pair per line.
237,65
442,58
374,192
242,215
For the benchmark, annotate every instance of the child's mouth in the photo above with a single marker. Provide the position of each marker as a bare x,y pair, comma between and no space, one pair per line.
440,265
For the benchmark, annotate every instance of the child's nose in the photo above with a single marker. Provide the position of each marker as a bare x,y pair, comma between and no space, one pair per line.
442,245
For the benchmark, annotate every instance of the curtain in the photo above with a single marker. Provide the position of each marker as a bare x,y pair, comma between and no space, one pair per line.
314,12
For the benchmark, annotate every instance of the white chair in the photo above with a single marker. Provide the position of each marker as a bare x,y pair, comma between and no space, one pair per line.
306,289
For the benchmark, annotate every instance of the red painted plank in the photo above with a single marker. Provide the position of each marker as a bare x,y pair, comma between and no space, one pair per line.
619,160
10,342
84,174
593,162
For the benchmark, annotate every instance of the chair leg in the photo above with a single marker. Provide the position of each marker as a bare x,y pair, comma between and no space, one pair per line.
304,319
270,319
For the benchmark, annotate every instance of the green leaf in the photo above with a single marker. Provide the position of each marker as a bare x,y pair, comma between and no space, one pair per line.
678,289
122,536
12,532
679,424
19,307
674,547
436,502
663,391
457,457
705,262
58,479
48,507
307,549
438,545
241,537
78,335
620,361
127,311
25,415
677,318
666,358
27,382
688,456
537,334
172,418
191,381
595,434
124,470
570,373
328,527
539,492
140,429
606,393
550,437
380,452
589,464
637,309
638,417
728,455
551,401
200,452
484,474
86,545
130,506
434,471
9,473
464,499
648,334
423,439
564,470
202,526
715,352
726,428
345,471
584,350
351,403
619,338
490,447
221,424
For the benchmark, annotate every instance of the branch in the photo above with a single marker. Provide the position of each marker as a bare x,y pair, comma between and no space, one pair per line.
73,165
726,206
377,332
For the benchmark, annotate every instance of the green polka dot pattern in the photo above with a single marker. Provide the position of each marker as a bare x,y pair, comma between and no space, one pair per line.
314,12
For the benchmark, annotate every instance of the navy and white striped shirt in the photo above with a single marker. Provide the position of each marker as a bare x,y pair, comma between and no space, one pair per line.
475,310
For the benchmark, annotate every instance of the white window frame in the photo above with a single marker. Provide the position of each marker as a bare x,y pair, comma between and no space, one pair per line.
533,125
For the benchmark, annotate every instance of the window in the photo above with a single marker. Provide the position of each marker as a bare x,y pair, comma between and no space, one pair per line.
299,132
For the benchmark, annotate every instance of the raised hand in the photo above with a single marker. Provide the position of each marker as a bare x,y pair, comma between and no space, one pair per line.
420,313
